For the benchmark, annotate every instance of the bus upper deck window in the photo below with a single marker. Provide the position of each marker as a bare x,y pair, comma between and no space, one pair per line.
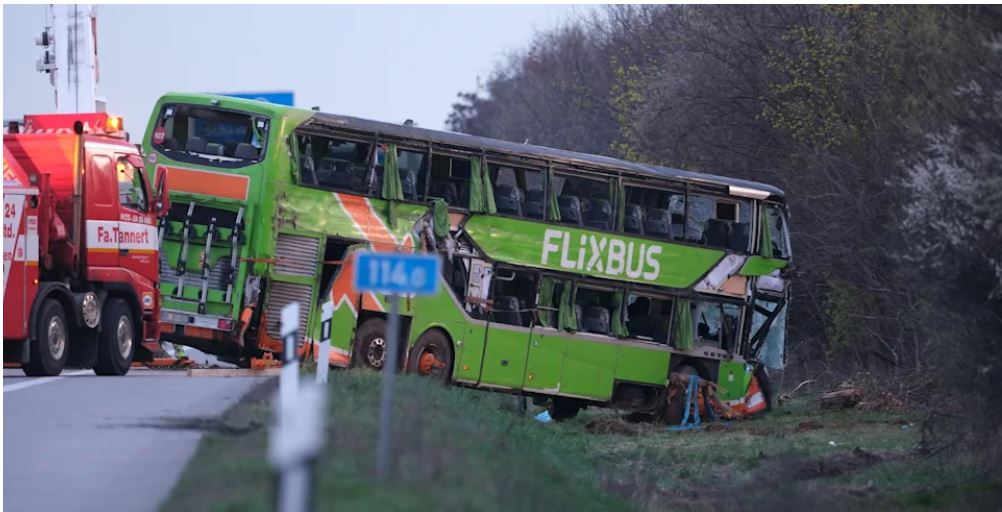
518,192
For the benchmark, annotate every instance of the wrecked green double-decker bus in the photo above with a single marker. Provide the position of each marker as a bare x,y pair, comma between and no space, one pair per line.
574,278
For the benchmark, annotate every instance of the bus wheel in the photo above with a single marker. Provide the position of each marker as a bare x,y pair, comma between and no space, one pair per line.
561,408
116,342
432,356
370,344
675,411
49,352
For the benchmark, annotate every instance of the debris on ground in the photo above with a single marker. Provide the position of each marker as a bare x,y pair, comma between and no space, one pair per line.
842,399
808,425
612,426
838,464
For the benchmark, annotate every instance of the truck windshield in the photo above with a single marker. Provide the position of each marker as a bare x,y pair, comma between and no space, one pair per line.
210,136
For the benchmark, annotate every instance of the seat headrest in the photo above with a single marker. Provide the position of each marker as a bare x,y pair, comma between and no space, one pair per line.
196,144
245,151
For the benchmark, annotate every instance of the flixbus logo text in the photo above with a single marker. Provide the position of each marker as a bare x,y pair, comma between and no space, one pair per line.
606,255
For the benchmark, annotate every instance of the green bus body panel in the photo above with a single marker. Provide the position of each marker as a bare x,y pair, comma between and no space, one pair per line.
599,254
759,266
504,357
733,380
589,369
546,361
643,365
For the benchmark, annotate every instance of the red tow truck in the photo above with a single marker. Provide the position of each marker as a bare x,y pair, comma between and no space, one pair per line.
80,246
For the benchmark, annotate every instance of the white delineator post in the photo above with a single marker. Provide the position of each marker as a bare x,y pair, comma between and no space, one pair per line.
299,431
323,356
289,378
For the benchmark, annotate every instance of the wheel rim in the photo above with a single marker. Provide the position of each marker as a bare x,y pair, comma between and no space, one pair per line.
124,337
376,352
57,338
429,363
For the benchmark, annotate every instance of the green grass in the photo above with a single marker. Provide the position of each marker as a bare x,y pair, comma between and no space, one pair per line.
460,449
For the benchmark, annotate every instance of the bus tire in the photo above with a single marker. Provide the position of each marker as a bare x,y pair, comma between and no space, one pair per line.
562,408
48,353
432,356
675,411
116,343
370,344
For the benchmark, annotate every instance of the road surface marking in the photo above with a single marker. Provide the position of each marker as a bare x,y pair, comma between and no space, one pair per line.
42,380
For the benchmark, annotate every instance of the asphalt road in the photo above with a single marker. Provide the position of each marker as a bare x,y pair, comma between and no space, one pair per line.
82,442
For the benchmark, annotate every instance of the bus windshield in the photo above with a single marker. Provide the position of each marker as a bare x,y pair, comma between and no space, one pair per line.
210,136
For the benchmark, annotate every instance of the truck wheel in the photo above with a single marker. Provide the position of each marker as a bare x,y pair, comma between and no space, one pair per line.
432,356
49,352
370,344
116,342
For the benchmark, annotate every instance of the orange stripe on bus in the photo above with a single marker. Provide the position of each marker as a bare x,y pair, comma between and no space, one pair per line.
370,224
207,183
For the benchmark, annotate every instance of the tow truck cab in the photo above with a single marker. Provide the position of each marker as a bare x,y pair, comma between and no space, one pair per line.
81,246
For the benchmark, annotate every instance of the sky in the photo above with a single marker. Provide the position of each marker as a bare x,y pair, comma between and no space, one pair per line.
388,63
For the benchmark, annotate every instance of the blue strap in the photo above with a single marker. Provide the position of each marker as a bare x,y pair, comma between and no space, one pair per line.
691,397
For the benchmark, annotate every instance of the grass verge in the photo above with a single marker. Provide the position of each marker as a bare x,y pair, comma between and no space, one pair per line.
460,449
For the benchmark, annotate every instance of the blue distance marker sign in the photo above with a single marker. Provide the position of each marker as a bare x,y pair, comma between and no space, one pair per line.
397,273
277,97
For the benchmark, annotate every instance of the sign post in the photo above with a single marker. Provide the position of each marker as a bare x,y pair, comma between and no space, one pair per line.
393,274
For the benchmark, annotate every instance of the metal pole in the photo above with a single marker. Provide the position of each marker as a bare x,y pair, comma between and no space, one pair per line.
389,375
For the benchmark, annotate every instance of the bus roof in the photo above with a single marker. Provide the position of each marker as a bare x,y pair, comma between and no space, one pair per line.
484,143
541,152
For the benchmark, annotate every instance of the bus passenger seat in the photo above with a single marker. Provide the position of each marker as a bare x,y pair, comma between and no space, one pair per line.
358,176
570,210
408,182
215,149
716,233
195,144
634,221
245,151
506,310
508,200
534,203
463,198
445,190
600,214
658,223
640,325
739,237
596,319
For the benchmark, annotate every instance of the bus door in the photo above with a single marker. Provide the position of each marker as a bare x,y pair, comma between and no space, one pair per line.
476,292
545,359
509,327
